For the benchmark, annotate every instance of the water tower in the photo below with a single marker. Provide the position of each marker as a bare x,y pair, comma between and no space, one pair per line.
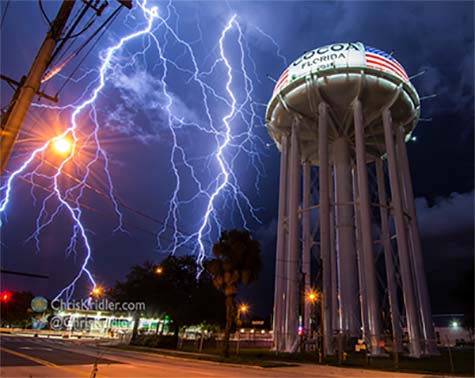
340,115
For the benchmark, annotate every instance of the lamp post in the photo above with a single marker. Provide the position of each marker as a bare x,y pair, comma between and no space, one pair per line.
314,297
242,309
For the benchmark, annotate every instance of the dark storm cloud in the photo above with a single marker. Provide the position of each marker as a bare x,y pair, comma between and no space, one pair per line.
449,216
431,36
447,233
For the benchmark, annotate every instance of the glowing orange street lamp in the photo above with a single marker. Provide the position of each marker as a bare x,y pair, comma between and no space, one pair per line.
243,308
97,291
63,145
312,296
158,270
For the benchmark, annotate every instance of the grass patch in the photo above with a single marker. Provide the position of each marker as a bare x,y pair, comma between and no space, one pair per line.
463,361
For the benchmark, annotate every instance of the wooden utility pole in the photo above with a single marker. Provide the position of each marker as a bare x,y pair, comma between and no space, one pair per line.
15,118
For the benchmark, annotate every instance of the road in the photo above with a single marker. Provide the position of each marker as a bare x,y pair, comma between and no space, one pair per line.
39,357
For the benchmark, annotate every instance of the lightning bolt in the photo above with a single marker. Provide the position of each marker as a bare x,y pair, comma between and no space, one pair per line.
230,141
231,121
68,199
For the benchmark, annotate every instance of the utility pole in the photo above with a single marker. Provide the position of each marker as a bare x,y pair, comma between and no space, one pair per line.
16,117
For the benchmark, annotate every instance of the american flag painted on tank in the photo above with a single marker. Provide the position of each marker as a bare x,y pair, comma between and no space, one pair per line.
340,56
283,80
383,61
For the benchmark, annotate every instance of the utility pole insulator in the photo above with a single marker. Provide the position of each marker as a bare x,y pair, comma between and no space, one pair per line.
126,3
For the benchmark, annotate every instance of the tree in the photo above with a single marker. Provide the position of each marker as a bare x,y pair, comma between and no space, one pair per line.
237,261
174,291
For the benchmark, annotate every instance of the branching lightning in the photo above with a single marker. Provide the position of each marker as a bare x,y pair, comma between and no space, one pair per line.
229,122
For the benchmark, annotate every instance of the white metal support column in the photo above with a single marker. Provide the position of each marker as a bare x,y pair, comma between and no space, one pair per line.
360,258
345,239
415,247
280,268
307,241
325,226
367,239
404,260
388,255
335,287
293,256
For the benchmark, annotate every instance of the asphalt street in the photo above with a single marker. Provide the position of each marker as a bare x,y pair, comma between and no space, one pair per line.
40,357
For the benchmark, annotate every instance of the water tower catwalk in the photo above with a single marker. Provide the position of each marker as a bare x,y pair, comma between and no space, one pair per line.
340,116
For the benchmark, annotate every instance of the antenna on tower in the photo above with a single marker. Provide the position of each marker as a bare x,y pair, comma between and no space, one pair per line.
427,97
271,79
417,74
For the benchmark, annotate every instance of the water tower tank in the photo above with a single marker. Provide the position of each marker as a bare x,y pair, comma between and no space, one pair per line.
337,74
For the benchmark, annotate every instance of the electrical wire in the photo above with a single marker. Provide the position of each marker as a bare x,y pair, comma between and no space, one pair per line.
67,34
40,2
60,57
88,25
110,20
4,13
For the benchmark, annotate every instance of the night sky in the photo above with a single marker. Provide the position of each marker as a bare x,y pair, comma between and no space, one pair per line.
432,36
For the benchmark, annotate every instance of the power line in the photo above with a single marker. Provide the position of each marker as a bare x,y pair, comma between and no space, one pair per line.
5,13
5,271
104,27
45,16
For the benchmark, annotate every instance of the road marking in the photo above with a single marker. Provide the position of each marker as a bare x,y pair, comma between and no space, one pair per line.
36,348
44,362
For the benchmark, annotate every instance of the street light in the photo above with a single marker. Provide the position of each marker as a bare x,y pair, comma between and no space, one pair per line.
312,296
242,309
158,270
63,145
97,291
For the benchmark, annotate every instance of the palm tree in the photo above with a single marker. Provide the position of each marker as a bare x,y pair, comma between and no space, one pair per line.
237,261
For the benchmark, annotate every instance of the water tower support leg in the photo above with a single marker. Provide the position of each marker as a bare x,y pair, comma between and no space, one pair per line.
345,236
415,246
280,268
325,227
360,258
293,256
307,242
335,321
367,239
388,256
404,260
